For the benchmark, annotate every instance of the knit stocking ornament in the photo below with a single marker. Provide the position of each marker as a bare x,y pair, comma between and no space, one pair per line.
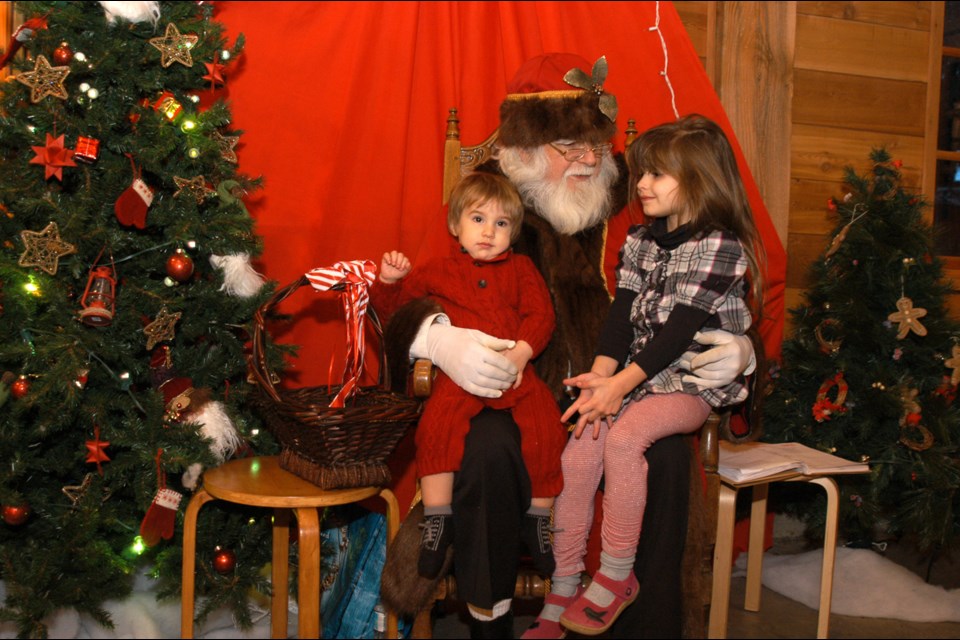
131,207
162,514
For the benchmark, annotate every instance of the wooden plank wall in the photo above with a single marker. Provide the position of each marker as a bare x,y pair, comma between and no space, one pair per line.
859,80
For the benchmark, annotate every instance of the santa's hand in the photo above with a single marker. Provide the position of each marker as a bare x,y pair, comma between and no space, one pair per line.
471,359
730,356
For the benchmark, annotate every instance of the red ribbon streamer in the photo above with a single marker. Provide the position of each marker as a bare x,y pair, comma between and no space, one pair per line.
352,279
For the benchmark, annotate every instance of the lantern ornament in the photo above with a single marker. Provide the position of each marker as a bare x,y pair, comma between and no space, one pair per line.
98,298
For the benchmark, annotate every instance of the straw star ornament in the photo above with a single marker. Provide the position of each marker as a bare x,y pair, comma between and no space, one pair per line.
45,80
226,145
196,187
161,328
44,248
174,47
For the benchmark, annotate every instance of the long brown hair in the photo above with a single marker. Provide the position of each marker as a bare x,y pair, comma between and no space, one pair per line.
695,151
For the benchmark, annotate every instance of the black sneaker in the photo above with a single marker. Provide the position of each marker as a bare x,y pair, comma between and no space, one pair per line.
436,537
537,535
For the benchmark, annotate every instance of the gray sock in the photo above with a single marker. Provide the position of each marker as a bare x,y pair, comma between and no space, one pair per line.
564,586
538,511
442,510
613,568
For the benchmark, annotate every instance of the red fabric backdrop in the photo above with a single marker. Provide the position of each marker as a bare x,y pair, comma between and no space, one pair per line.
343,109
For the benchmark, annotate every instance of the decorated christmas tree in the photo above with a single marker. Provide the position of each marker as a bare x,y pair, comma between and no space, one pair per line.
126,296
871,371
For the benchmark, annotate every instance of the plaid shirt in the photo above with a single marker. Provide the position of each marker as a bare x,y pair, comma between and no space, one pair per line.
706,273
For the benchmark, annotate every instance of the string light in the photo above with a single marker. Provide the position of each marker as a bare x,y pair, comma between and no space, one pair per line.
666,61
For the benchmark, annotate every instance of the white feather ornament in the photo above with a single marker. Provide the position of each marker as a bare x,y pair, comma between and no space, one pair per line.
239,277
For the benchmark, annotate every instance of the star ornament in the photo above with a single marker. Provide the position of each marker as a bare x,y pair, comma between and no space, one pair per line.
53,156
908,317
197,187
161,328
96,451
214,73
44,248
174,47
45,80
227,146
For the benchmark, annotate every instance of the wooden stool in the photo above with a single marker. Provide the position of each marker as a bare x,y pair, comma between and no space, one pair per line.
723,552
260,482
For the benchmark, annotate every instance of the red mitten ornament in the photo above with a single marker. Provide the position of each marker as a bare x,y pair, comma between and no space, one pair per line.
160,518
131,207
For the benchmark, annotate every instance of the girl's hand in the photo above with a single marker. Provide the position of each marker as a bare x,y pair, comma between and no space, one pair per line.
393,267
600,399
584,395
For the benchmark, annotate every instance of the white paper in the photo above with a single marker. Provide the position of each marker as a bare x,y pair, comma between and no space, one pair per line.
752,460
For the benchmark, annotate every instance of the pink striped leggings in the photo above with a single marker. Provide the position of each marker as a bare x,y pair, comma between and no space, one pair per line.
617,455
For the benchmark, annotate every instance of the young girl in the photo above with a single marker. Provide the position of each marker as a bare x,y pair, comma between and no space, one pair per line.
684,270
484,286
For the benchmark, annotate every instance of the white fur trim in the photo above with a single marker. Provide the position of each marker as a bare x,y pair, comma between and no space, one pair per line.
191,476
217,426
132,11
168,498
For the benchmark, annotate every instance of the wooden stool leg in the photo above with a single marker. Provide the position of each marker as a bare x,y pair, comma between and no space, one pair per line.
308,578
829,553
280,573
393,526
200,498
758,530
722,563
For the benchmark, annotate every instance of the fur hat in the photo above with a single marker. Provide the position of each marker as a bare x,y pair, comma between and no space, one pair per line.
552,98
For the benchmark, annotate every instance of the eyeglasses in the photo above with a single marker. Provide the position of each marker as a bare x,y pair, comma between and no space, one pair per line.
575,154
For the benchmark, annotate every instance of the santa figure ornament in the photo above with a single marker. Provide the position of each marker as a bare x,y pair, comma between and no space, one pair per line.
188,405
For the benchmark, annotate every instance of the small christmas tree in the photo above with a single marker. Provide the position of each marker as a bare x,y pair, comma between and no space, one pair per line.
127,293
871,371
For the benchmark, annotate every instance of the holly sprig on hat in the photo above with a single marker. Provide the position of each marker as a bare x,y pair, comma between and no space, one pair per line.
594,82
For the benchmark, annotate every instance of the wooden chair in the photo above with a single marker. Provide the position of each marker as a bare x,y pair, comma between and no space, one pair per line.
705,448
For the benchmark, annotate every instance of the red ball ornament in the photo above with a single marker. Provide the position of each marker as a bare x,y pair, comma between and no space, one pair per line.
224,560
20,387
15,515
180,266
63,54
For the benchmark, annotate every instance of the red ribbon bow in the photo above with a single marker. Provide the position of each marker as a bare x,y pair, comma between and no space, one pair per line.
352,278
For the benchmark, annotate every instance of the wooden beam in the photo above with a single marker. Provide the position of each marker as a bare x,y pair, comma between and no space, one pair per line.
757,45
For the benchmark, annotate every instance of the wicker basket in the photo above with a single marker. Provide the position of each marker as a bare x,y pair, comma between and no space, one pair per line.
334,448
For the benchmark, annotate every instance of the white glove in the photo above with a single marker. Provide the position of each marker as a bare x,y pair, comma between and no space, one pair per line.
718,366
471,359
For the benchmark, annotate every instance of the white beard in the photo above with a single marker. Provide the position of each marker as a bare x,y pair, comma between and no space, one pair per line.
568,209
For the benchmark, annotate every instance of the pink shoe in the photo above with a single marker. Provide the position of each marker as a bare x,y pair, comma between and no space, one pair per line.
585,617
541,628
